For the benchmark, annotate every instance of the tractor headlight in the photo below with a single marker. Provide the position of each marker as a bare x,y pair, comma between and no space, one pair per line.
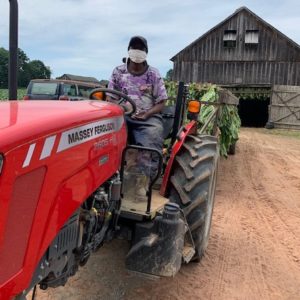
1,162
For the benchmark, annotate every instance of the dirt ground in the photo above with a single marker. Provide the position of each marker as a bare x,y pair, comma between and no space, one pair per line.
254,248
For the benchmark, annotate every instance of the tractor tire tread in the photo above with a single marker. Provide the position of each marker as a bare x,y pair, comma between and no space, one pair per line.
193,183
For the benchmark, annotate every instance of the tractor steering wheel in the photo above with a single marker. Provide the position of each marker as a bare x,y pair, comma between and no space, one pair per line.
123,98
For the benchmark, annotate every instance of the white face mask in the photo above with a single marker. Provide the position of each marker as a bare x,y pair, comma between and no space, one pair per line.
137,56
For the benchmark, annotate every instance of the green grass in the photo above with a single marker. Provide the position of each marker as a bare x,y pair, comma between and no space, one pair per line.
283,132
4,93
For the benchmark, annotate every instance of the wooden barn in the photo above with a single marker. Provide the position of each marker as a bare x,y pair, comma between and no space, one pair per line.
247,55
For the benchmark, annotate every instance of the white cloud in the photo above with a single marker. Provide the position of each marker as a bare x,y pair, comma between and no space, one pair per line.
89,37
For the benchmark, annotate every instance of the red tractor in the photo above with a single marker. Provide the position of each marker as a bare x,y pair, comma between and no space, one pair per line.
66,183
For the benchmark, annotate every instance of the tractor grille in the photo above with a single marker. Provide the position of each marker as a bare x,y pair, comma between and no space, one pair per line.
24,200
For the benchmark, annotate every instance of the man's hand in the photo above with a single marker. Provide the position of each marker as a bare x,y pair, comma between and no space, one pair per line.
142,115
112,99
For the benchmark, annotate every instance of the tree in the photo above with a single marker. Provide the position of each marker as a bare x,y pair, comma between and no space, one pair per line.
3,68
23,75
169,75
39,70
27,69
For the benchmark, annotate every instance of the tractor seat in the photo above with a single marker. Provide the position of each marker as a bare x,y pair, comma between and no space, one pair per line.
168,114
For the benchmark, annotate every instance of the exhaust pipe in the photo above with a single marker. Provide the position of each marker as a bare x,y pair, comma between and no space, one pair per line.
13,50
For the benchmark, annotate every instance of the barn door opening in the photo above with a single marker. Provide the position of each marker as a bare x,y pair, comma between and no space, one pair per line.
253,105
254,112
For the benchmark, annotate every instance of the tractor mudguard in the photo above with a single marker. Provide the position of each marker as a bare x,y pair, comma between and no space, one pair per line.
157,246
190,128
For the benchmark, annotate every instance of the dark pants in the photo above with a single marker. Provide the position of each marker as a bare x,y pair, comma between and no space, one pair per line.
148,134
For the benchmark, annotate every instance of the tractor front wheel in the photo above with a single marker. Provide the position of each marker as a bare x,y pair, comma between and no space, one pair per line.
193,183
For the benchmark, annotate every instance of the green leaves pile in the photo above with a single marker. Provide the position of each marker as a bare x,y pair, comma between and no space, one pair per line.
229,124
171,87
228,121
205,93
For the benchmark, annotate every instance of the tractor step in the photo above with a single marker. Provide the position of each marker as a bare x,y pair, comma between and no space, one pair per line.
130,207
188,253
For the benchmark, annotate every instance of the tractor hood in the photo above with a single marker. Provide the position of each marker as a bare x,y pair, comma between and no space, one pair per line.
55,155
21,121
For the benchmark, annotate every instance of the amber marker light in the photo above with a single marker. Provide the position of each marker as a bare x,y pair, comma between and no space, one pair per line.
194,106
99,96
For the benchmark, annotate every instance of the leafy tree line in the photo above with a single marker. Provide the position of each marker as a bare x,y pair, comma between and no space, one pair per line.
27,69
169,75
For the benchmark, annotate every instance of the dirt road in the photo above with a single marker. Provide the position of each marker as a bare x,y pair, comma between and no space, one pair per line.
254,248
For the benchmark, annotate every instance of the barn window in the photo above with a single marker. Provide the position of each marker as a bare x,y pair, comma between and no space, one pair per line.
229,39
251,37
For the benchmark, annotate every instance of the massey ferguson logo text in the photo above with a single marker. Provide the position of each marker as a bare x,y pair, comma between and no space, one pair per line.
82,134
90,132
79,135
104,128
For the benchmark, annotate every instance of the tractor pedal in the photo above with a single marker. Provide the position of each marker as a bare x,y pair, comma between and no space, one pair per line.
188,253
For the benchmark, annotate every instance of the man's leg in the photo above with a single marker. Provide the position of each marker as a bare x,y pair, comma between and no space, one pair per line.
149,134
146,134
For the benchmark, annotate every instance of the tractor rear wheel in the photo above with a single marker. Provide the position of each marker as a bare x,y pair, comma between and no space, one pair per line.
193,183
231,150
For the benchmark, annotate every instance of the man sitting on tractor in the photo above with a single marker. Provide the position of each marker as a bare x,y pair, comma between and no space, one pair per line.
144,85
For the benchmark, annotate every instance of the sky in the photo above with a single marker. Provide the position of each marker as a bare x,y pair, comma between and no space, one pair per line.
90,37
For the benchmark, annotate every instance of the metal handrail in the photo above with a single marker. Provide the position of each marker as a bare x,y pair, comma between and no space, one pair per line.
159,169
